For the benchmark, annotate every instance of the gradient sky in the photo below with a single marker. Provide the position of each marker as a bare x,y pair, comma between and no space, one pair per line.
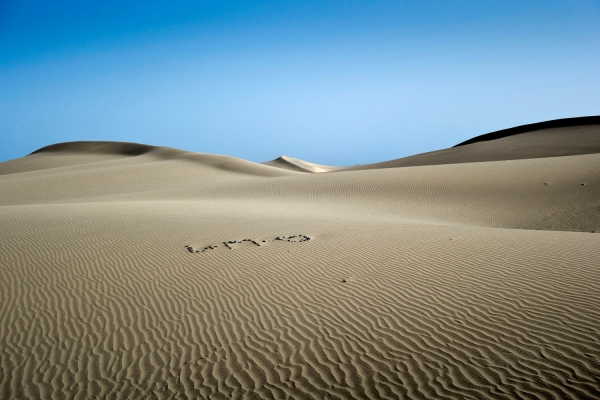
333,82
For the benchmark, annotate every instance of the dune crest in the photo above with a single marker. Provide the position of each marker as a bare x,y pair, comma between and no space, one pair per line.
295,164
97,147
135,271
552,124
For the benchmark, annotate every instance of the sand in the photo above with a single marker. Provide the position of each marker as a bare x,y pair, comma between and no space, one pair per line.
132,271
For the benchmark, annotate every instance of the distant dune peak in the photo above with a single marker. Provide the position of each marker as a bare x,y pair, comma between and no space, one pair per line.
295,164
284,158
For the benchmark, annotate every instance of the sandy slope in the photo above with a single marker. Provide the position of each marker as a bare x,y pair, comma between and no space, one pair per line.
143,272
548,142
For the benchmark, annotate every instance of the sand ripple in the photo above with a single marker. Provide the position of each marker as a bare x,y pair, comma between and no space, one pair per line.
97,306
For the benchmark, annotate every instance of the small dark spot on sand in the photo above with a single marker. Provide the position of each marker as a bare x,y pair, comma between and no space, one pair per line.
344,281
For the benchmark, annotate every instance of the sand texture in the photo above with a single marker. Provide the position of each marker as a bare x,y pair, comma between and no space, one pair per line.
131,271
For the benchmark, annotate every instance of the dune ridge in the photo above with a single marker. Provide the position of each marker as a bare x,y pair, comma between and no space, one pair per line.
97,147
555,123
542,140
147,272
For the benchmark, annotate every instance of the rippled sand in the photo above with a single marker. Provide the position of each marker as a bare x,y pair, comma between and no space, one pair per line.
131,271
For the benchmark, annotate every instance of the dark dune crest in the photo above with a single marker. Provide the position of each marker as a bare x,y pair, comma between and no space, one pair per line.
97,147
554,123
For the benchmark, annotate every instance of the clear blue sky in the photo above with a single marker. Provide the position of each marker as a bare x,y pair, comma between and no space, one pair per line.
334,82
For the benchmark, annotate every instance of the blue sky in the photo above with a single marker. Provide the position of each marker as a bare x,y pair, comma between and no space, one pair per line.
333,82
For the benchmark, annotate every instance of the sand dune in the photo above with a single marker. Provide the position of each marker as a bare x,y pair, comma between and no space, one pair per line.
58,175
550,139
295,164
133,271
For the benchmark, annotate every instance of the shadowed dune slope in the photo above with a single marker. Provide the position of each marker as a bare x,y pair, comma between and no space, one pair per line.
294,164
131,271
538,143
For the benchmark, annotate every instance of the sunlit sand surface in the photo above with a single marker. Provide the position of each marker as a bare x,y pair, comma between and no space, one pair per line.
132,271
